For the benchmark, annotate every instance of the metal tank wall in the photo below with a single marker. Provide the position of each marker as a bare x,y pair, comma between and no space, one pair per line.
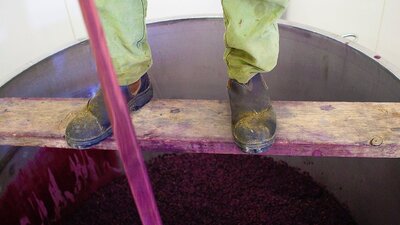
313,66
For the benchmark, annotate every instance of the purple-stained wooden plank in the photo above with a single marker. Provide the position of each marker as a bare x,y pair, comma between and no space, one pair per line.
130,153
339,129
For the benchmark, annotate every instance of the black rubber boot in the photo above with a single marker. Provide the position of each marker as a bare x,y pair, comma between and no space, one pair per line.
253,118
92,125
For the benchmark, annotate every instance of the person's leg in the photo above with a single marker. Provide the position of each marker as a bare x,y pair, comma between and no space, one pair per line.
251,36
252,47
125,29
124,26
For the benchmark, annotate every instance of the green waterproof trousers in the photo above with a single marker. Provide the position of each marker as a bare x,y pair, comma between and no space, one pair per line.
251,37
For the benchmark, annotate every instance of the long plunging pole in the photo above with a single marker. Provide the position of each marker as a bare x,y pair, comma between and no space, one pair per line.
117,109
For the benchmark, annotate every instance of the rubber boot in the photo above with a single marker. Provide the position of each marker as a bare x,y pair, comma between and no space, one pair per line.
92,125
253,118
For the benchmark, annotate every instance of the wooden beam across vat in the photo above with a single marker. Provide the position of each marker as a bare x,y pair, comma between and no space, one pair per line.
339,129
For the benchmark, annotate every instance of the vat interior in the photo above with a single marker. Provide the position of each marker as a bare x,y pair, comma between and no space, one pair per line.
188,64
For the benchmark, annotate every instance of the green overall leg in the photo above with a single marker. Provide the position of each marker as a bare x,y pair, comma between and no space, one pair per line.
125,29
252,47
251,36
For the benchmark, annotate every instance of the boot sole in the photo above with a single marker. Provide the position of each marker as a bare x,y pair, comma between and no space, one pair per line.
255,149
133,105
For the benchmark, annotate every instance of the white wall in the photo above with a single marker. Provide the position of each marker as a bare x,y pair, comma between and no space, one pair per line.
157,10
33,29
30,30
375,22
361,17
389,35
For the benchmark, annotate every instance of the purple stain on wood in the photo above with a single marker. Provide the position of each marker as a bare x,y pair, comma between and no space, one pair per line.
281,147
175,111
162,134
327,107
317,153
283,113
377,57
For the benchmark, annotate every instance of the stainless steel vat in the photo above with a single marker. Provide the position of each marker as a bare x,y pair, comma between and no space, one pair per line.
313,66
